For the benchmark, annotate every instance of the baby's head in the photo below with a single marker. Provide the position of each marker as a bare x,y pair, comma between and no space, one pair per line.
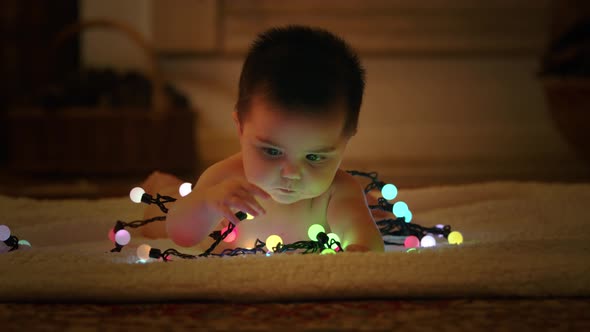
300,93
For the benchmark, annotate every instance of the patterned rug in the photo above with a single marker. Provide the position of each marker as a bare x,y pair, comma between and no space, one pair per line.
544,314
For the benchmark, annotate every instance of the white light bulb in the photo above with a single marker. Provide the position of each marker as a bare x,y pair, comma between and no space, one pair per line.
143,252
4,232
122,237
335,237
428,241
185,189
136,193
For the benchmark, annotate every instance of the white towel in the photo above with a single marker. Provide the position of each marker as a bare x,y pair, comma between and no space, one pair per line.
521,239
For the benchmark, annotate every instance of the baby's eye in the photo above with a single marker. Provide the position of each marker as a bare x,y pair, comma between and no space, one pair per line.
271,152
314,157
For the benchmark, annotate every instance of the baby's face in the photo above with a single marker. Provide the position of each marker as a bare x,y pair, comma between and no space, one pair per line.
292,157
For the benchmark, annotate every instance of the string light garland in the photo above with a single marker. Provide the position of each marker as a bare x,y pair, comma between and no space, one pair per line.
10,240
394,231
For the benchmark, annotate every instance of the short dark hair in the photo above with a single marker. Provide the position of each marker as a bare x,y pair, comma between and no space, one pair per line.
303,68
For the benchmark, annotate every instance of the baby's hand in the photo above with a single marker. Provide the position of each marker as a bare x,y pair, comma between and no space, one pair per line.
235,194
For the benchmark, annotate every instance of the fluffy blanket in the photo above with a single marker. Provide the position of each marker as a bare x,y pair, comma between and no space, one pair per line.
521,239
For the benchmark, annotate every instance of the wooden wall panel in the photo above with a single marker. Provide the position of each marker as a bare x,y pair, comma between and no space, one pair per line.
390,27
185,26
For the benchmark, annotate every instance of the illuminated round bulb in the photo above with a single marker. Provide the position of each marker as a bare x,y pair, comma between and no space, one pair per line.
136,193
440,226
231,236
4,232
400,208
411,242
428,241
389,191
24,243
455,238
272,241
185,189
112,235
408,216
249,216
122,237
328,251
143,252
313,231
335,237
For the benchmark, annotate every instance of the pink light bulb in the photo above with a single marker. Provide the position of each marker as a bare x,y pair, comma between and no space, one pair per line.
411,242
122,237
231,236
4,232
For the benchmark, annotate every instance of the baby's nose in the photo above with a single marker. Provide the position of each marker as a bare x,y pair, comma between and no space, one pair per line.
290,171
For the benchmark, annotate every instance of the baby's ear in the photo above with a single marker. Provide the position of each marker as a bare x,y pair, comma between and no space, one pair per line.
234,116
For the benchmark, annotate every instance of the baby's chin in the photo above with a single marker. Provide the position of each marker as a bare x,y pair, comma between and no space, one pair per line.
286,199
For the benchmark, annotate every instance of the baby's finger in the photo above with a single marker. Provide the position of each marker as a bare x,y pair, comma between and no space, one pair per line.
240,202
253,203
230,216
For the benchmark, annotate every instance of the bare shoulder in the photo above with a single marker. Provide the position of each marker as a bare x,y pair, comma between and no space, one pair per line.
345,184
229,167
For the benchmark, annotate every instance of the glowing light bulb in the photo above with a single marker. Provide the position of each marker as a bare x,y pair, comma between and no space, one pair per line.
412,242
407,216
389,191
4,232
136,193
335,237
143,252
313,231
185,189
455,238
428,241
328,251
24,243
400,208
249,216
231,236
272,241
112,235
122,237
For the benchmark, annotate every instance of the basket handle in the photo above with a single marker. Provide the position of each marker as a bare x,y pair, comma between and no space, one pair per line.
158,101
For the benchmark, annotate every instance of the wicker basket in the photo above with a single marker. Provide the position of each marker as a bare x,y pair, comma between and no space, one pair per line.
103,140
569,103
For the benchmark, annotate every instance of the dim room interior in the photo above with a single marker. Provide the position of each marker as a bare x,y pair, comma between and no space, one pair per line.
475,110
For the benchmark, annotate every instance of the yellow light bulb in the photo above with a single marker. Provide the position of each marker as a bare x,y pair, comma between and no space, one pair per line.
455,238
272,241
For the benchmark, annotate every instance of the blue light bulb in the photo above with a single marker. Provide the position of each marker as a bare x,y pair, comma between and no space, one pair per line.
389,191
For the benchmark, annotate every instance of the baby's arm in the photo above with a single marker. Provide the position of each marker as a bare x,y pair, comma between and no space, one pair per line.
350,218
166,185
216,195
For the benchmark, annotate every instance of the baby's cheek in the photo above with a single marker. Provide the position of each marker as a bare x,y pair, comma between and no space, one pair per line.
261,174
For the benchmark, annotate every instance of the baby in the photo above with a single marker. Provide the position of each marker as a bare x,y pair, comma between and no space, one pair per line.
300,93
